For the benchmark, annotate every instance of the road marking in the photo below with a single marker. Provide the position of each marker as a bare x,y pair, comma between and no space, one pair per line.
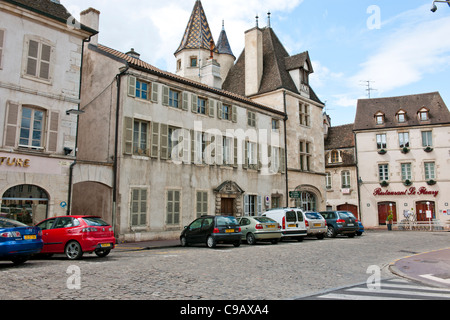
437,279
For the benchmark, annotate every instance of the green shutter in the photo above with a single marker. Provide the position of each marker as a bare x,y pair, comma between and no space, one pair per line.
164,141
128,135
132,86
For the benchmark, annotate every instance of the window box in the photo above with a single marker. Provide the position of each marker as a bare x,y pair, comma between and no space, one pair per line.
431,182
407,182
384,183
382,151
428,149
405,150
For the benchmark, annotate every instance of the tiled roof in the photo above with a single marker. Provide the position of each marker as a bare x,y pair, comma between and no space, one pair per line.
198,34
48,8
411,104
223,46
276,65
139,64
340,137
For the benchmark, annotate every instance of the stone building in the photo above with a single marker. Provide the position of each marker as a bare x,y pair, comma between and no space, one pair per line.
40,62
402,148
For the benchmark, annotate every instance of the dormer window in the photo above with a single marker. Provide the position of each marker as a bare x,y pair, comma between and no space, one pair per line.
424,114
401,116
379,118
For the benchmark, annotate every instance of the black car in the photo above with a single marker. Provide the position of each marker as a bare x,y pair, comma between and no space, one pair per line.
212,230
340,222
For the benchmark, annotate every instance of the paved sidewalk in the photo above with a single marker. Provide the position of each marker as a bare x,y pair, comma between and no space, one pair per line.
147,245
431,268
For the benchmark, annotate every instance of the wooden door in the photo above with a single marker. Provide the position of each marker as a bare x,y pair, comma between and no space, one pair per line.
421,210
227,206
349,207
384,210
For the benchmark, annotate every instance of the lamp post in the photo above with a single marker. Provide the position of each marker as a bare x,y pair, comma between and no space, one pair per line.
434,7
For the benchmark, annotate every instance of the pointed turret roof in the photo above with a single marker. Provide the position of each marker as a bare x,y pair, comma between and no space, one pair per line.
198,34
223,45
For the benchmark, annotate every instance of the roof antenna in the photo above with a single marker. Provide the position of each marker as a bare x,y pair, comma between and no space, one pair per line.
268,19
369,88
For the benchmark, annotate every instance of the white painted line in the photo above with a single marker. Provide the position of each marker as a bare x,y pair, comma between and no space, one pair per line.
403,292
437,279
358,297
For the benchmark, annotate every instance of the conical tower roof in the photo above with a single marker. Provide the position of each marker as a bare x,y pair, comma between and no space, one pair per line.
198,34
223,45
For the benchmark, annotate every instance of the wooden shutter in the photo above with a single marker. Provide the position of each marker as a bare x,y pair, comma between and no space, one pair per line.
128,136
32,58
155,92
2,37
235,153
234,114
11,124
164,141
165,100
132,86
185,102
219,110
219,150
44,68
282,161
211,108
194,102
155,140
245,163
53,131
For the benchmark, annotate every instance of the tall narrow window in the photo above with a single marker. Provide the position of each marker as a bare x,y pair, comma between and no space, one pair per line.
174,98
383,172
32,128
403,139
427,139
138,207
381,141
328,180
305,156
140,138
430,171
173,207
345,179
251,119
304,114
406,171
201,106
143,90
38,60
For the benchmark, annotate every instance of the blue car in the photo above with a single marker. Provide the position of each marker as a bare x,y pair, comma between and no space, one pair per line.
18,242
361,229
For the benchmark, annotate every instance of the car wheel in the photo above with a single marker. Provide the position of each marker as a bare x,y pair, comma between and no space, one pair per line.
237,243
73,250
102,253
20,260
251,240
320,236
331,233
274,241
183,242
300,239
351,235
211,242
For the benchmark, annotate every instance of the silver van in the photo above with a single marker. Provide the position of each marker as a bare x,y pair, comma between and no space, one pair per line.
291,221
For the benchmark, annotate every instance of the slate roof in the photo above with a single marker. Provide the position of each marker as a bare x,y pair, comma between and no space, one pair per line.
276,65
411,104
139,64
223,46
198,34
340,137
50,9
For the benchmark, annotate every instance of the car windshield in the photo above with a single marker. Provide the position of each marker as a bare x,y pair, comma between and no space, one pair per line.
264,220
313,215
8,223
96,222
225,221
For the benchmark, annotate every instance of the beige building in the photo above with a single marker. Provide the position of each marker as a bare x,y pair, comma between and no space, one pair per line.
40,62
402,148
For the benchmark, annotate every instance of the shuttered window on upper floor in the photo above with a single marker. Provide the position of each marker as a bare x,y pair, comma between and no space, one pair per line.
2,40
38,59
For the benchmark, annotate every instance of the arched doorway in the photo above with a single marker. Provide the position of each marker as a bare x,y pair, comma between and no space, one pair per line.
92,198
26,203
384,209
349,207
307,201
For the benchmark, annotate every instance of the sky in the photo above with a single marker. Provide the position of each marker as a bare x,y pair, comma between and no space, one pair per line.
393,47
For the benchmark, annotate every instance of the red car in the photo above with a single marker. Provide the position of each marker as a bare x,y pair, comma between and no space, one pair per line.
75,235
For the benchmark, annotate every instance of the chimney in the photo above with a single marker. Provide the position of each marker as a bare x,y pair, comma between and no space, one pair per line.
91,18
253,60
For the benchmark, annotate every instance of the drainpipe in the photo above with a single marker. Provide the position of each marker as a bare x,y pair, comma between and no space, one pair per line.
123,71
285,148
358,178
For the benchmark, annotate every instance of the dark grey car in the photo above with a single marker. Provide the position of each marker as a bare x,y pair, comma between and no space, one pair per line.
340,222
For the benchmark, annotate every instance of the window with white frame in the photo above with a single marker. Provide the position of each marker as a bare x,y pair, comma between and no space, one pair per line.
227,150
252,155
328,180
345,179
406,171
32,128
252,205
138,213
38,59
430,173
383,172
173,209
427,139
381,141
403,139
140,137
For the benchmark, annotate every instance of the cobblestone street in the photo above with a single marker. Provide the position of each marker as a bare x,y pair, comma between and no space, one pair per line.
283,271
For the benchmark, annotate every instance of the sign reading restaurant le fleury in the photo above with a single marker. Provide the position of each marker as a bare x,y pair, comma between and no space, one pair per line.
412,191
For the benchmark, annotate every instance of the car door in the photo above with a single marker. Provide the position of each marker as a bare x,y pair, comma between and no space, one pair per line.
301,220
245,225
59,234
193,232
207,226
47,235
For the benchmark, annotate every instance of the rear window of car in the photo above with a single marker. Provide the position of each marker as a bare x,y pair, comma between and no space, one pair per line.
225,221
95,222
264,220
346,214
8,223
291,216
313,215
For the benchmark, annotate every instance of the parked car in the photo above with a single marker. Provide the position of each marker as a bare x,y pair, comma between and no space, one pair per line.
360,229
212,230
259,229
18,242
291,221
76,235
316,225
340,222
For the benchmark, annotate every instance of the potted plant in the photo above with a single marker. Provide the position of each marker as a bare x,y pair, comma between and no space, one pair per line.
405,150
428,149
382,151
431,182
384,183
407,182
389,220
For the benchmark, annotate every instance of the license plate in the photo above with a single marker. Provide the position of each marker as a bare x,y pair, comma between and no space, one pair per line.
317,224
292,225
350,224
105,245
229,231
32,237
270,226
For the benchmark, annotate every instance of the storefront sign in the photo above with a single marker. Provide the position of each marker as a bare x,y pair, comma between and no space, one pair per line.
14,162
408,192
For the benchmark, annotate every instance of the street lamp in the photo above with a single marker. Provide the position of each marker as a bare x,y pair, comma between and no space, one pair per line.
434,7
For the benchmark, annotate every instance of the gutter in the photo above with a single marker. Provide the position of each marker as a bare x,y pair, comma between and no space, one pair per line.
285,148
